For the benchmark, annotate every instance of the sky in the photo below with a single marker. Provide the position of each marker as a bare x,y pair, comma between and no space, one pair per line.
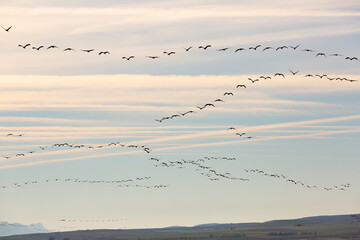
306,129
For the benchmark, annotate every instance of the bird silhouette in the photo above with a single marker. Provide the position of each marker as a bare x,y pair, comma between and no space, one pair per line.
279,74
7,29
68,49
267,48
205,47
38,48
307,50
309,75
87,50
281,48
183,114
104,53
294,47
320,54
187,49
254,48
240,49
228,93
52,46
223,49
169,53
241,85
240,134
253,80
218,100
24,46
265,77
293,73
335,55
152,57
128,58
351,58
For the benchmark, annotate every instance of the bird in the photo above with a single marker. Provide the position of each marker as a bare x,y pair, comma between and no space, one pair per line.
253,80
294,47
279,74
307,50
231,128
169,53
335,55
282,47
293,73
175,115
241,85
351,58
68,49
223,49
42,148
52,46
240,49
265,77
128,58
205,47
267,48
320,54
250,137
228,93
188,48
9,134
104,52
309,75
183,114
152,57
7,29
218,100
320,76
38,48
240,134
254,48
87,50
24,46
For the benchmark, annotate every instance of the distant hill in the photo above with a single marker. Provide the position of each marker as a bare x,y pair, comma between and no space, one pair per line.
7,229
320,227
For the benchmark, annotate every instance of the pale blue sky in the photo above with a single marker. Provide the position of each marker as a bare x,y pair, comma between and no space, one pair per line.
305,128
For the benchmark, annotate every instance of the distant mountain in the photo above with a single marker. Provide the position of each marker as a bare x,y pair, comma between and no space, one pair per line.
7,229
320,227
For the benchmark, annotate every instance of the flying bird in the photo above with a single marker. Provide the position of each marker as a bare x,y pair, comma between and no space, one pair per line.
228,93
320,76
24,46
282,47
293,73
240,49
321,54
223,49
7,29
307,50
128,58
335,55
169,53
218,100
254,48
267,48
104,53
205,47
241,85
294,47
68,49
52,46
187,49
240,134
351,58
253,80
309,75
38,48
152,57
267,77
279,74
87,50
231,128
183,114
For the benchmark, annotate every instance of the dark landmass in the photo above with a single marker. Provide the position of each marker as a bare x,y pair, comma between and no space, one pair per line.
321,227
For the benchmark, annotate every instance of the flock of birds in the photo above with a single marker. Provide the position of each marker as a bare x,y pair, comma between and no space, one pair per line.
78,146
212,104
128,183
215,175
258,47
201,166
